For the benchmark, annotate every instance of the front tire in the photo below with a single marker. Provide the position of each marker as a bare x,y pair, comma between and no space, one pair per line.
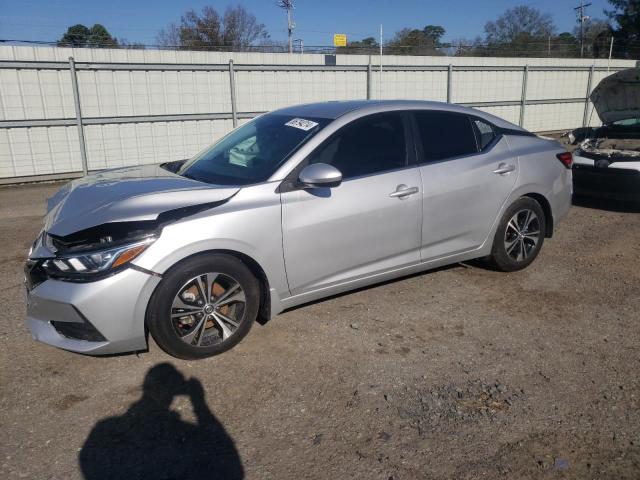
519,236
204,306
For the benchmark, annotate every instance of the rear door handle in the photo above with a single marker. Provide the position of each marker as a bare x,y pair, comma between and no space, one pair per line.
504,168
403,191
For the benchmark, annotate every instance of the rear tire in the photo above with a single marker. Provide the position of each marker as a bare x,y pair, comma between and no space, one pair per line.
519,236
204,306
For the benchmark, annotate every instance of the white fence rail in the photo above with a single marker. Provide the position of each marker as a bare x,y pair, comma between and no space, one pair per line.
62,118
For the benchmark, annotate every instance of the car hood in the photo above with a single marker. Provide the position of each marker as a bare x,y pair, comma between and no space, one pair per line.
617,97
123,195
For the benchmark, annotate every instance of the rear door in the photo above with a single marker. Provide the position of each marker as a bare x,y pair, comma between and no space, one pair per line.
467,172
367,225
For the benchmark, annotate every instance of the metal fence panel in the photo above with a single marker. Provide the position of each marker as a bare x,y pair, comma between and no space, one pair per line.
146,106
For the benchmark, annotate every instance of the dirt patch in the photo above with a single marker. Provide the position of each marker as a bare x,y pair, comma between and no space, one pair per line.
69,401
443,408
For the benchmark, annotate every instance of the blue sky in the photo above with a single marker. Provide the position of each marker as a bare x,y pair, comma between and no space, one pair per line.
317,20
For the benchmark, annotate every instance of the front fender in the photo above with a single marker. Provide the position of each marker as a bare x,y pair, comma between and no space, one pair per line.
250,224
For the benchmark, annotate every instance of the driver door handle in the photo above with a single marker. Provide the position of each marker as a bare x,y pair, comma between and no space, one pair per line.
403,191
504,168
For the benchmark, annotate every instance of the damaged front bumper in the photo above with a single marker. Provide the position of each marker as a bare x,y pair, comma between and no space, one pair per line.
95,318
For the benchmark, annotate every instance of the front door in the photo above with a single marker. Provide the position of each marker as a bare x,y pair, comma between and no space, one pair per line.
368,224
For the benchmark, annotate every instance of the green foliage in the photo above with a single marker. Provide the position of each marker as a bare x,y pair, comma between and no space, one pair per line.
417,42
434,33
366,46
76,36
99,37
626,15
81,36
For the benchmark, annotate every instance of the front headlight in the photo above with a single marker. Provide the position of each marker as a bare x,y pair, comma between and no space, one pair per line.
97,261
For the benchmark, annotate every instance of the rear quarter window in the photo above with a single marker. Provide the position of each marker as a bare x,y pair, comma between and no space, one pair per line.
484,132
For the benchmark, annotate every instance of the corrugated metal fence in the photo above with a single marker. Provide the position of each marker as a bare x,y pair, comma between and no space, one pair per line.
62,118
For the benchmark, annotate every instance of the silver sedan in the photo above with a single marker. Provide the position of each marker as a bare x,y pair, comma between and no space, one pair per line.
293,206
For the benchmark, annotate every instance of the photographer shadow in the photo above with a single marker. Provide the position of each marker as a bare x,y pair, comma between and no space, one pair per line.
152,442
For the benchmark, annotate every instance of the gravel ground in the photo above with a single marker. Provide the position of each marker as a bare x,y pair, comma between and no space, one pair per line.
457,373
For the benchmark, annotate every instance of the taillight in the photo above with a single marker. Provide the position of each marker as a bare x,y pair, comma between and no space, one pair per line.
566,158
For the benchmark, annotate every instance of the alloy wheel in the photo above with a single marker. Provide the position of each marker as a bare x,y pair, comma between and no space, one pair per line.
522,235
208,309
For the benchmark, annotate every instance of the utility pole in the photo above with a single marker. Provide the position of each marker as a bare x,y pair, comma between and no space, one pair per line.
380,77
582,18
288,6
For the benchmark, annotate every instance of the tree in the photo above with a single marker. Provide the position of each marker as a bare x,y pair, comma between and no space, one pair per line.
76,36
236,29
81,36
593,38
565,45
366,46
521,30
417,42
626,14
434,33
99,37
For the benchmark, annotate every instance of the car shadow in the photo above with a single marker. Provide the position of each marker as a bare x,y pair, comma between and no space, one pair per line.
606,204
150,441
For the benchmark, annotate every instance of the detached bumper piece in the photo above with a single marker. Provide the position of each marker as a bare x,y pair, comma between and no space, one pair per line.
609,183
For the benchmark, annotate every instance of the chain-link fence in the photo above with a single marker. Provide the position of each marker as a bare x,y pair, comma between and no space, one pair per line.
64,112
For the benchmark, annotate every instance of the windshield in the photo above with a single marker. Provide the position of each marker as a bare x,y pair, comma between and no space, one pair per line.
252,152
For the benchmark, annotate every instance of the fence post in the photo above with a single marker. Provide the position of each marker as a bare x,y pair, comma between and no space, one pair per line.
585,117
523,99
369,79
232,85
449,82
76,101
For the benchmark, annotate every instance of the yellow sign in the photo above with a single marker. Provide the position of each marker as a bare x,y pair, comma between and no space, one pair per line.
339,40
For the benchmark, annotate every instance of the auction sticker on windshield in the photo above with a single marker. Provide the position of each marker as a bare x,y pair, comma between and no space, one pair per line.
301,123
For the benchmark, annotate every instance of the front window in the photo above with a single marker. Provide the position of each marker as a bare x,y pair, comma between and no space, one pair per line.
372,144
254,151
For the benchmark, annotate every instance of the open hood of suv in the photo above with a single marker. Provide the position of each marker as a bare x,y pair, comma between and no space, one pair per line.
617,97
124,195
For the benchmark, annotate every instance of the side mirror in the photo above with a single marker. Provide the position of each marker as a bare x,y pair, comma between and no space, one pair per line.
319,175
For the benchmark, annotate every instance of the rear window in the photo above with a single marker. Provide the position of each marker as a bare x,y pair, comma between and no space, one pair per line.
445,135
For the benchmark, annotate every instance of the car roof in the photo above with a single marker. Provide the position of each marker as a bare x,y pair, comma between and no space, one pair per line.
335,109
